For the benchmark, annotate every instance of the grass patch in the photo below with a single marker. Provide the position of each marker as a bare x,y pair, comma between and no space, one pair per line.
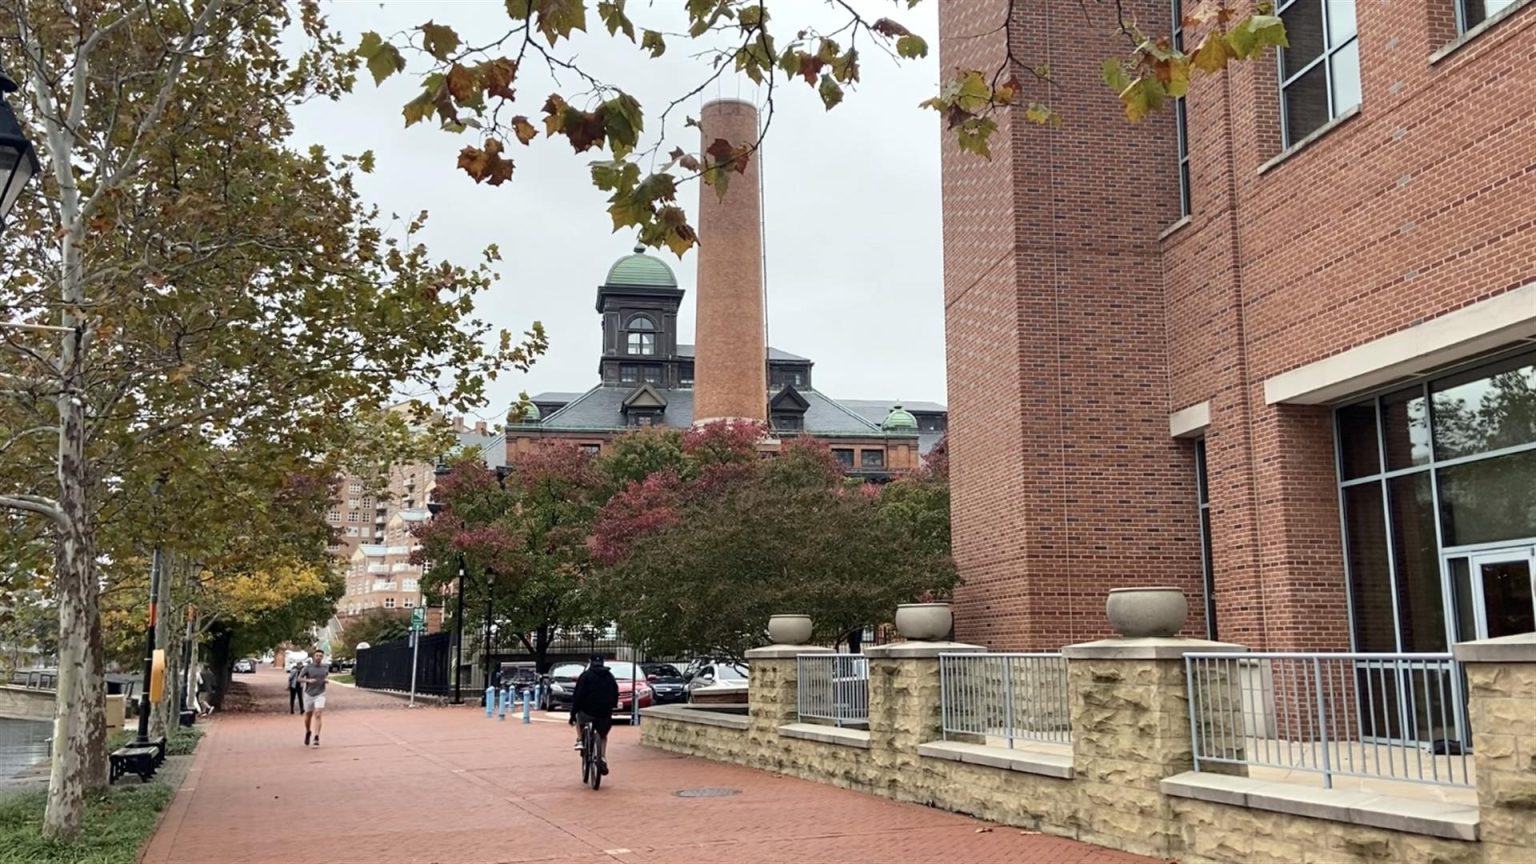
344,679
184,741
117,823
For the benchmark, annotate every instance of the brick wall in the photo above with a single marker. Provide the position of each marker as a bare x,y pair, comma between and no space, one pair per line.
1073,330
1066,482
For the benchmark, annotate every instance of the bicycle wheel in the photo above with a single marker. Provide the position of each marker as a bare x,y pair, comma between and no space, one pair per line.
587,768
597,773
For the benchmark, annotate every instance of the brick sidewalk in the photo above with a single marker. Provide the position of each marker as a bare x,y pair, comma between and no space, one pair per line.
447,785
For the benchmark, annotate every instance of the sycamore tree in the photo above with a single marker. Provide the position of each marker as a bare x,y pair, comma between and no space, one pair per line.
476,83
523,534
697,561
179,274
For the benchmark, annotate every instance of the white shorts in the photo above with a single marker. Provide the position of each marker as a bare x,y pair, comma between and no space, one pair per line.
313,703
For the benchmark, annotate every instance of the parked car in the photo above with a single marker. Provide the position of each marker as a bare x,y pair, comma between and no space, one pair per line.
719,683
520,676
245,665
560,686
668,683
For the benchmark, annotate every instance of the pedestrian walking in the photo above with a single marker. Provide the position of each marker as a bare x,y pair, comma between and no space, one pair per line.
312,679
295,691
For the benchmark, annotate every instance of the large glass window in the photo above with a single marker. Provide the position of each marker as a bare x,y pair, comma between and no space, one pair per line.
1320,71
1474,12
1426,470
1181,117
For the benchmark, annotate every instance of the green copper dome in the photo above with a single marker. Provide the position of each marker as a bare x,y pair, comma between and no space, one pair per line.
532,415
641,270
899,420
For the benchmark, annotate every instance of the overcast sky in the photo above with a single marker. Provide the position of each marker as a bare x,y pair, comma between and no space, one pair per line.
851,200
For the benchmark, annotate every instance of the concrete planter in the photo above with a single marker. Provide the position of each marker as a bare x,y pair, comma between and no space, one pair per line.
790,629
924,622
1146,612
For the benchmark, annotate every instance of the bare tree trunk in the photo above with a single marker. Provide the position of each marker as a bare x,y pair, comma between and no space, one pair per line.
71,776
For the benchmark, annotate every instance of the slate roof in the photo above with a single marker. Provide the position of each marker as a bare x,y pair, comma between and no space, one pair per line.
876,409
602,408
687,351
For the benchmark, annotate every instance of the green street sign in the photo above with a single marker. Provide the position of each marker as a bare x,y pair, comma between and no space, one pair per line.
418,619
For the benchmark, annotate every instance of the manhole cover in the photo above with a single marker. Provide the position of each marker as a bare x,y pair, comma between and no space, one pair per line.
706,793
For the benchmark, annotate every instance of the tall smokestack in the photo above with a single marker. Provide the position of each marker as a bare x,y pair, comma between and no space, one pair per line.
730,366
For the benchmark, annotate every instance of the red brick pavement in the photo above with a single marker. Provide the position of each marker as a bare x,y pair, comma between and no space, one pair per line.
447,785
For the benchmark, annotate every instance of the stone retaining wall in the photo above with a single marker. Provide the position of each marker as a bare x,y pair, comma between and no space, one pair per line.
1131,723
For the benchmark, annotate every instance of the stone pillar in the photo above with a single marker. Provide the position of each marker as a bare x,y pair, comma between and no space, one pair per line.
1130,729
773,692
1501,706
905,709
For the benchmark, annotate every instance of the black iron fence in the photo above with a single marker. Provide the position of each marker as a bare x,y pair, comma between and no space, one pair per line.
388,666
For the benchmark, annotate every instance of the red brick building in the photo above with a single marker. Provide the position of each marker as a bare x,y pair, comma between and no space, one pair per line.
1276,346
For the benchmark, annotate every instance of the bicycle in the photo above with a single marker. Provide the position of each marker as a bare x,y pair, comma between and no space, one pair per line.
590,772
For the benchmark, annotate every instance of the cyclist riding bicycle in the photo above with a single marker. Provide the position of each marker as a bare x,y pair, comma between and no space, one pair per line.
597,694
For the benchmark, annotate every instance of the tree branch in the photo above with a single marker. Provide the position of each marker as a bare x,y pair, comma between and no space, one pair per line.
45,507
167,86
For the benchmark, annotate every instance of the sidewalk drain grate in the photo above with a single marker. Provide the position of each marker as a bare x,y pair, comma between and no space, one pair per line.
706,793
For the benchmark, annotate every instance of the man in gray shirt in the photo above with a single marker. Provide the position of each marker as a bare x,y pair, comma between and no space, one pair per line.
313,681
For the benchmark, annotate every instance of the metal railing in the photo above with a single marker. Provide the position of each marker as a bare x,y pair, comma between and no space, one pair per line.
1383,716
833,687
1006,697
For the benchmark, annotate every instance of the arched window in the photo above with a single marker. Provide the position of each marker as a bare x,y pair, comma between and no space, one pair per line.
641,338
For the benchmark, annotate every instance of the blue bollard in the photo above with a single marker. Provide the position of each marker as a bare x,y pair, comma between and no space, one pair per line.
490,702
538,693
527,705
501,711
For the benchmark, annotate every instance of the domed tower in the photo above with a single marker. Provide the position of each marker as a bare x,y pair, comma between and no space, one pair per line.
638,301
899,421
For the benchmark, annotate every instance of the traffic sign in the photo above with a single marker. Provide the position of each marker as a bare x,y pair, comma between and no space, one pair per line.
418,619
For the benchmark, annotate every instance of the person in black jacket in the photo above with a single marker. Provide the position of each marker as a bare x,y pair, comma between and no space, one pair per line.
597,694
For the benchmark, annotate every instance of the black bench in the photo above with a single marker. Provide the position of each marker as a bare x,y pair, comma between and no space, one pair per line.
142,760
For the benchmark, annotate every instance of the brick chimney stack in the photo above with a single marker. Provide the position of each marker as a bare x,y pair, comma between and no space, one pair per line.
731,369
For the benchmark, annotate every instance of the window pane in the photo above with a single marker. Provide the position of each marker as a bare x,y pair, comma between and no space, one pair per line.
1306,104
1346,78
1201,481
641,324
1208,573
1341,20
1420,601
1304,31
1476,12
1357,441
1181,120
1488,500
1495,410
872,458
1370,580
1405,425
844,457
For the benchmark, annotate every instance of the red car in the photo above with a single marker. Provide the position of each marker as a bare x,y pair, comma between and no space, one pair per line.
632,685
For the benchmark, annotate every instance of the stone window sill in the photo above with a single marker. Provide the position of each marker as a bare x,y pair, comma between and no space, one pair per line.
1487,24
1308,141
1409,815
842,737
1046,764
1174,228
696,715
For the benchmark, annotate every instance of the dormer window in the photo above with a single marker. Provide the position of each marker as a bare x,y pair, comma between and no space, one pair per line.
640,337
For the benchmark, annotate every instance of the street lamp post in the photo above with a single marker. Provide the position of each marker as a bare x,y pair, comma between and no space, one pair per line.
18,161
149,631
442,469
